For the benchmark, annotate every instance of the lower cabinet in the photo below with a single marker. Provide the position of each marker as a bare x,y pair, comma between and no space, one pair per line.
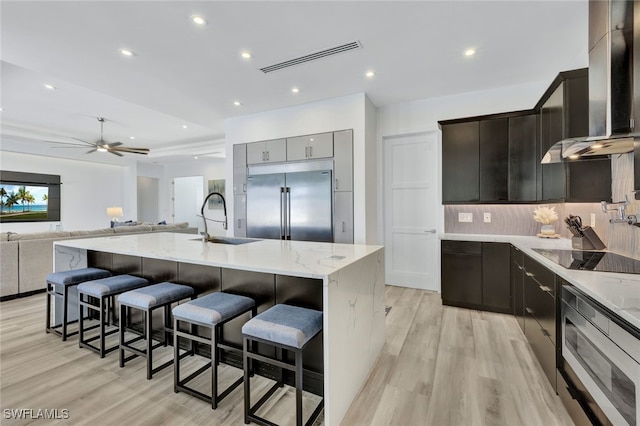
517,284
240,216
476,275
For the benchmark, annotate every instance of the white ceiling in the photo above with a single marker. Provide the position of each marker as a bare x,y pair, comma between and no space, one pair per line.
183,74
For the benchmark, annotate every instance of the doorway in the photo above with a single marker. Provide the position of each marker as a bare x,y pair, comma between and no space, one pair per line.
188,195
148,199
412,211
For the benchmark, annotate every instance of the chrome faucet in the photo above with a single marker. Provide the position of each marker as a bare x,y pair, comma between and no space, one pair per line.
205,234
620,207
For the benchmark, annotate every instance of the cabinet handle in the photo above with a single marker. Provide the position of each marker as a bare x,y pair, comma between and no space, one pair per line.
529,274
267,155
310,151
336,183
545,288
239,225
545,332
244,187
529,310
520,267
344,227
306,151
264,157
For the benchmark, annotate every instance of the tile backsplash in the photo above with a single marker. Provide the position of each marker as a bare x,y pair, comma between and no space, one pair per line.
517,219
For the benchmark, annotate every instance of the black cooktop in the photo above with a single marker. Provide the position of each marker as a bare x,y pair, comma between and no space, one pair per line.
592,260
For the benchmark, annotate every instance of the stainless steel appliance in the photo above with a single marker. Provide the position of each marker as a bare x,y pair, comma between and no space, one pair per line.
602,261
290,201
604,352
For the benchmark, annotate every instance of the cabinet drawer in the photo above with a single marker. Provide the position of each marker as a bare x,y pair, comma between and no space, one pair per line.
542,346
462,247
539,273
568,398
540,304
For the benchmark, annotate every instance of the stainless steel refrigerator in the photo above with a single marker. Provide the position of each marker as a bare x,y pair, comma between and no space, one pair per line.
295,205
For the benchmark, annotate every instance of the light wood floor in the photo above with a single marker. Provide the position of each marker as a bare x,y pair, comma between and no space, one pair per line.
440,366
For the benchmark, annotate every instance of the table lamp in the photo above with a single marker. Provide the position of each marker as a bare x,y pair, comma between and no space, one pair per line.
114,213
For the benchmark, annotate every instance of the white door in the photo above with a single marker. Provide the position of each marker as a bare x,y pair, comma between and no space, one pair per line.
188,194
412,211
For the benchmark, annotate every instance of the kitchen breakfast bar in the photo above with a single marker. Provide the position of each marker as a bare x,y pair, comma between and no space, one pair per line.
345,281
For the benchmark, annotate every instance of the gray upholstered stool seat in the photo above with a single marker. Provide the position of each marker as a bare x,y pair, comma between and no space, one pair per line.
104,290
287,328
62,285
147,299
211,311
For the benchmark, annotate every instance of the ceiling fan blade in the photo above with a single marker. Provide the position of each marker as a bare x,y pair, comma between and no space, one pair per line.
131,149
114,144
82,140
114,152
91,150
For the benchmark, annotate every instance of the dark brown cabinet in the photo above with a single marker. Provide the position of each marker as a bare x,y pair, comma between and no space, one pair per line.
540,315
517,284
476,275
494,153
564,114
496,158
460,162
523,164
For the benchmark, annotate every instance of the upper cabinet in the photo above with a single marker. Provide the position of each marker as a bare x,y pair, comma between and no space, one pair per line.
564,113
310,146
460,162
272,151
496,158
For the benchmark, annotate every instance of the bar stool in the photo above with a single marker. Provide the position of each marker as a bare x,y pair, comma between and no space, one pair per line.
105,290
210,311
284,327
148,299
59,284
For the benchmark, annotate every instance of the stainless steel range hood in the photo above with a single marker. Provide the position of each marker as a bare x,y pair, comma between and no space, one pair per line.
611,76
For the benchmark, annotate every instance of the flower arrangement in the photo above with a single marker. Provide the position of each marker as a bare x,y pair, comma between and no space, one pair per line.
545,215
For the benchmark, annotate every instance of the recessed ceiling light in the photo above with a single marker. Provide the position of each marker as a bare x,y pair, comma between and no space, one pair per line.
195,157
132,137
469,52
574,156
126,52
198,20
295,90
236,103
596,146
50,87
370,74
246,55
1,109
184,126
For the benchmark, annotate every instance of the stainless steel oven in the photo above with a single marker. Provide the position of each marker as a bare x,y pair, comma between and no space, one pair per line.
604,352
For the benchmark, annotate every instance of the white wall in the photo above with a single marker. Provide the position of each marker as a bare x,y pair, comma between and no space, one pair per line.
86,192
342,113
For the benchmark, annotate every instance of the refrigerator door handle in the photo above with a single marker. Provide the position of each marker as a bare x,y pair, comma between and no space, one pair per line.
288,213
282,210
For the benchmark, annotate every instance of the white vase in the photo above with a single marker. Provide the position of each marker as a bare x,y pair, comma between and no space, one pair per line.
548,229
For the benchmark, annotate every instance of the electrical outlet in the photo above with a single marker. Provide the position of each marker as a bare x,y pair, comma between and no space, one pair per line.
487,218
465,217
593,220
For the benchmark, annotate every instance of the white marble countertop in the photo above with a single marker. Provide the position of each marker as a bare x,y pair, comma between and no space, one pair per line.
295,258
618,292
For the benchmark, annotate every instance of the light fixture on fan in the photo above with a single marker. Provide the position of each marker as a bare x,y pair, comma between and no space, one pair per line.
114,213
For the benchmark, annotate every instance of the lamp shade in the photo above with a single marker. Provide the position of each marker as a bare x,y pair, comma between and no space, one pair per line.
115,212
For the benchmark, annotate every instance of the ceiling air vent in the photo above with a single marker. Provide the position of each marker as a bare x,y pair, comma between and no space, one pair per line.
312,56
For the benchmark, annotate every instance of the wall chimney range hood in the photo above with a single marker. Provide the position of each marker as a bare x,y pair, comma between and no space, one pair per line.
611,85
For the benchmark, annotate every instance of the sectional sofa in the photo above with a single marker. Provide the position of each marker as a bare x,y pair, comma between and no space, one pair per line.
26,259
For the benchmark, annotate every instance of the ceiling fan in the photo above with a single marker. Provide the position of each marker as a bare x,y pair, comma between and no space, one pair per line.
102,146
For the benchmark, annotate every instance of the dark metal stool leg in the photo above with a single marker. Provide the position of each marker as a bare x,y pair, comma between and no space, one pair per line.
298,379
149,321
102,325
80,320
247,380
176,356
49,296
65,310
123,320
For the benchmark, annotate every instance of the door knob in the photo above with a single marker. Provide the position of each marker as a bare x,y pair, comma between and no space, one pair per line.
431,231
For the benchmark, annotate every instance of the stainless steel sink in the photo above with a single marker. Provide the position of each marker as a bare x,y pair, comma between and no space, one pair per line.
228,240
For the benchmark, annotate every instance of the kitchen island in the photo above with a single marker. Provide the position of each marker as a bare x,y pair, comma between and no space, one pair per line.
345,281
